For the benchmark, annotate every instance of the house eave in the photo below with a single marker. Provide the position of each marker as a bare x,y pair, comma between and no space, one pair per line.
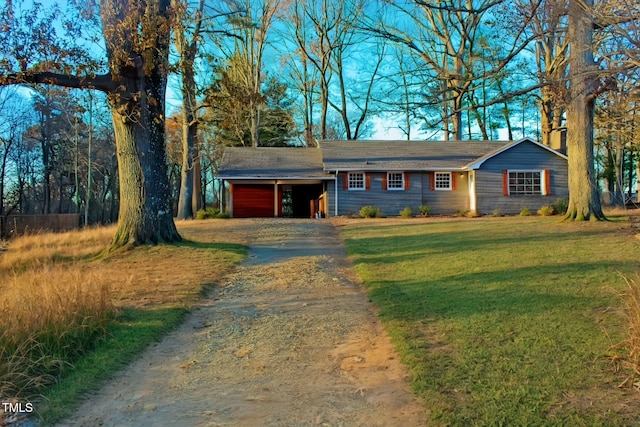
407,169
275,178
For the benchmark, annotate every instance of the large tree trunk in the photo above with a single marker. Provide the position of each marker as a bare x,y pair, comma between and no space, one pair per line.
189,134
584,200
138,99
145,204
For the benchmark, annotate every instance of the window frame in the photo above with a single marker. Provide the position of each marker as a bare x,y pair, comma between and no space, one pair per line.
401,182
449,175
523,188
351,181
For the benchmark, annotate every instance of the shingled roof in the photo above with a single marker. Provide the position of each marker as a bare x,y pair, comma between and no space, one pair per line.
404,155
272,163
332,156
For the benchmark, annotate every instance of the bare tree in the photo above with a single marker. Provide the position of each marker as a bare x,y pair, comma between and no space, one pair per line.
444,35
251,26
14,120
548,25
323,32
187,35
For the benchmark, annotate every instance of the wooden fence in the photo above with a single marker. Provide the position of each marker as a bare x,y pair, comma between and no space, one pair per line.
15,225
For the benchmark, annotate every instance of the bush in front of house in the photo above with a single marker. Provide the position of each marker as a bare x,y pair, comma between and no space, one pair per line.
547,210
370,212
406,213
209,213
424,210
525,212
560,206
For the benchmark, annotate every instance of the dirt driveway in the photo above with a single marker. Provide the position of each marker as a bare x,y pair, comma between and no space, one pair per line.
288,340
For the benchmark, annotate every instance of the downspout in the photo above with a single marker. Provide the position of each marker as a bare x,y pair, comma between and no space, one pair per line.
336,193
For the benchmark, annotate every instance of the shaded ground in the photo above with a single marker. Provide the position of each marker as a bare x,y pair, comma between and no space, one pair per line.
288,340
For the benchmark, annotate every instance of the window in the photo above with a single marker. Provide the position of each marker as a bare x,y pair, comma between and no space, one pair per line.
443,181
525,182
395,181
356,181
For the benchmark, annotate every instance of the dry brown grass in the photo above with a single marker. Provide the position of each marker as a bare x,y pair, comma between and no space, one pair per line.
58,291
43,248
630,299
50,316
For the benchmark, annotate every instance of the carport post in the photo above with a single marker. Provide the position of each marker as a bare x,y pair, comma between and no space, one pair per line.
336,194
275,199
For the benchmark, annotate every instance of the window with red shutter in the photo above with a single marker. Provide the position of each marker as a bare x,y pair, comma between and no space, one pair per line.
443,181
394,181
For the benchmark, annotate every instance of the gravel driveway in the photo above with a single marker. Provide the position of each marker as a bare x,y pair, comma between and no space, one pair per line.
289,339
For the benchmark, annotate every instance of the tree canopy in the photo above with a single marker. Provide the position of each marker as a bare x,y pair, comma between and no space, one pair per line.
275,72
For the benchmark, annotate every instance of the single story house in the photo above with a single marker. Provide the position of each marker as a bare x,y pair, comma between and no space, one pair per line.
340,177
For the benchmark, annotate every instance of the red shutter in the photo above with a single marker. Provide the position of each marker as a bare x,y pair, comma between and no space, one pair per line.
384,180
547,182
505,183
453,181
367,178
432,181
407,181
345,181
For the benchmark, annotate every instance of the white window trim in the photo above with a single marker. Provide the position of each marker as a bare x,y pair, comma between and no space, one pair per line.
543,191
401,188
364,181
435,181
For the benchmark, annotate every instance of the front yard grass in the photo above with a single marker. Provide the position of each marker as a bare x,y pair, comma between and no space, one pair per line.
505,321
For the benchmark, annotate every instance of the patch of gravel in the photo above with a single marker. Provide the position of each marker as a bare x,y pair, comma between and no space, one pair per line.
287,340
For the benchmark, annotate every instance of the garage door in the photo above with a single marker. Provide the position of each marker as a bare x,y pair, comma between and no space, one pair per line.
252,200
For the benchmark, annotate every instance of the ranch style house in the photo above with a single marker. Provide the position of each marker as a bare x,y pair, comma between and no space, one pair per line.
340,177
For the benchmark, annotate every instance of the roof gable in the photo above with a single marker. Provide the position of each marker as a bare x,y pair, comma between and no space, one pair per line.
478,162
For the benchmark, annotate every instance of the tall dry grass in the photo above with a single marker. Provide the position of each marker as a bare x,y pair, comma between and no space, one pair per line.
53,307
58,292
630,300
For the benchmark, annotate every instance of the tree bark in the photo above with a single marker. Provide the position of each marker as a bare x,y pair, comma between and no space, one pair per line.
145,214
584,199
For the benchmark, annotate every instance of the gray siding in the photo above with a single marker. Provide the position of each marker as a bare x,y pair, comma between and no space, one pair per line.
525,156
390,202
446,202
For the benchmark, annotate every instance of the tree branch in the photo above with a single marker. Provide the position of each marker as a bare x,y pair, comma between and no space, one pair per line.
102,82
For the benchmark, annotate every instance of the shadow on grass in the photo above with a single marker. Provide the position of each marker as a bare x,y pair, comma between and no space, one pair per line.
127,336
217,246
532,289
409,247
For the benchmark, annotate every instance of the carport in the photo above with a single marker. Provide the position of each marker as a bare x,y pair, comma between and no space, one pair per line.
274,182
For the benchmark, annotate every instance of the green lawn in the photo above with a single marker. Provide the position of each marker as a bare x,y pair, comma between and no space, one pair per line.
504,321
